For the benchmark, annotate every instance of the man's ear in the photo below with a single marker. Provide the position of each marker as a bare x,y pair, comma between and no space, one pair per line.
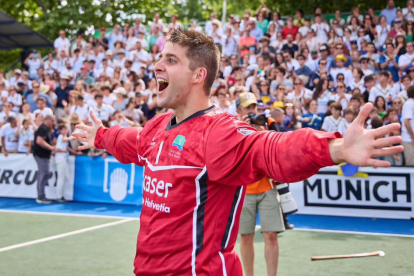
199,75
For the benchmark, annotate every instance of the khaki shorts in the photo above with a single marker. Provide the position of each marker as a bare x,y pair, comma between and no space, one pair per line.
271,219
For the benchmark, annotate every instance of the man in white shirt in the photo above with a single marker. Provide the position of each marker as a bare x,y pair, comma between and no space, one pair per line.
138,56
102,111
16,78
77,61
382,89
405,61
41,104
105,68
321,28
9,141
216,33
67,71
114,36
81,108
62,42
408,12
292,64
340,62
407,130
332,122
230,42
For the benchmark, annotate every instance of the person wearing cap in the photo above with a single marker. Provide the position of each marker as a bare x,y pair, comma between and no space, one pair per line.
216,33
121,98
340,68
84,76
266,50
34,61
261,197
62,93
15,78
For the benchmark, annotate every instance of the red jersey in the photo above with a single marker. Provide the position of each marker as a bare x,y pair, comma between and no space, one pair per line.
196,174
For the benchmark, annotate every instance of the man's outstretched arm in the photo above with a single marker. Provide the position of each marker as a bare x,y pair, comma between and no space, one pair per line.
120,142
236,156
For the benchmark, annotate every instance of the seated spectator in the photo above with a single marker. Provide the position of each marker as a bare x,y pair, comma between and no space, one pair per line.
382,89
302,69
9,140
341,97
102,111
289,46
340,62
311,119
6,113
332,122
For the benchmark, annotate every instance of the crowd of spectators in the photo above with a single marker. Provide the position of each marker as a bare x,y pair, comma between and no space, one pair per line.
316,72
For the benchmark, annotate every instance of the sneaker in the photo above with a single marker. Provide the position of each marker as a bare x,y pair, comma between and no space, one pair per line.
61,200
43,201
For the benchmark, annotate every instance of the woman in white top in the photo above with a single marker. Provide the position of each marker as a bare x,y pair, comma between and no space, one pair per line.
131,40
15,98
322,95
278,42
358,81
382,29
25,113
277,22
354,27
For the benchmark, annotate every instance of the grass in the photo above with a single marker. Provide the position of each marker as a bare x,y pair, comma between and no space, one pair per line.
110,251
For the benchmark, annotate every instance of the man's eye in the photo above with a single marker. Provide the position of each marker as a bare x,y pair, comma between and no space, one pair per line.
172,61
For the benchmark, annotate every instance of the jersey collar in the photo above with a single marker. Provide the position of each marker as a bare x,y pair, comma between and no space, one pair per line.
173,123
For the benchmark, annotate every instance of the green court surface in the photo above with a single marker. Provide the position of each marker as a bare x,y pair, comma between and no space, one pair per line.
110,250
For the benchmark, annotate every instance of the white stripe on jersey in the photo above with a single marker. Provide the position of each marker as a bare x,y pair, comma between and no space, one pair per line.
224,263
193,255
159,153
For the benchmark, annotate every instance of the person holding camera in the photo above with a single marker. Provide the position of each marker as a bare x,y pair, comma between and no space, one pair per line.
260,197
34,61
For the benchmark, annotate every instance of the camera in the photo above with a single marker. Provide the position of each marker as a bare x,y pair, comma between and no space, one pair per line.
287,202
259,119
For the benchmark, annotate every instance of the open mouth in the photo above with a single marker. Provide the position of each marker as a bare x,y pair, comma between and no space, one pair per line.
162,85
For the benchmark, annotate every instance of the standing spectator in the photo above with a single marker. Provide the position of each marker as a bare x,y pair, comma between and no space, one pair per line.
42,151
62,93
321,28
305,28
9,140
139,27
339,50
390,12
154,36
278,22
174,23
209,25
102,40
80,108
62,43
382,29
312,119
61,157
102,111
322,95
339,19
25,135
34,61
156,24
407,131
290,29
246,42
85,77
77,61
216,33
408,12
114,36
33,97
229,42
15,79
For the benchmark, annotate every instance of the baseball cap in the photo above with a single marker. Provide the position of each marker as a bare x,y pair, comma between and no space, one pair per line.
103,29
340,57
245,99
18,71
323,48
85,68
314,52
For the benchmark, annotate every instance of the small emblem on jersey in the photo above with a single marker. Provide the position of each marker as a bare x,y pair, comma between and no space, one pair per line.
245,131
179,142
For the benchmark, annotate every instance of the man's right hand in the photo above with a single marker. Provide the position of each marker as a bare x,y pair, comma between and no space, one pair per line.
90,133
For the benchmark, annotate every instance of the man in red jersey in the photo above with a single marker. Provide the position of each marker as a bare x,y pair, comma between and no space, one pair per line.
199,160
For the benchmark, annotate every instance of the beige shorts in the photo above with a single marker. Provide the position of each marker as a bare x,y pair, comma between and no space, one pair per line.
271,219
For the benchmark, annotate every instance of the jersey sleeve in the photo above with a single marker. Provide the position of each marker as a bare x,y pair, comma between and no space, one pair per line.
122,143
236,154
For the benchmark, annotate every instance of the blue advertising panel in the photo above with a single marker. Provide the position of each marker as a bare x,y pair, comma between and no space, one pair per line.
107,181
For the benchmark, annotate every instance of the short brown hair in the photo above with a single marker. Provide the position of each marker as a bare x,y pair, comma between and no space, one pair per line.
348,110
201,51
410,92
337,106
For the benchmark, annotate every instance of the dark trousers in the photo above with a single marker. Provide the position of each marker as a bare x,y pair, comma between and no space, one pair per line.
43,167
